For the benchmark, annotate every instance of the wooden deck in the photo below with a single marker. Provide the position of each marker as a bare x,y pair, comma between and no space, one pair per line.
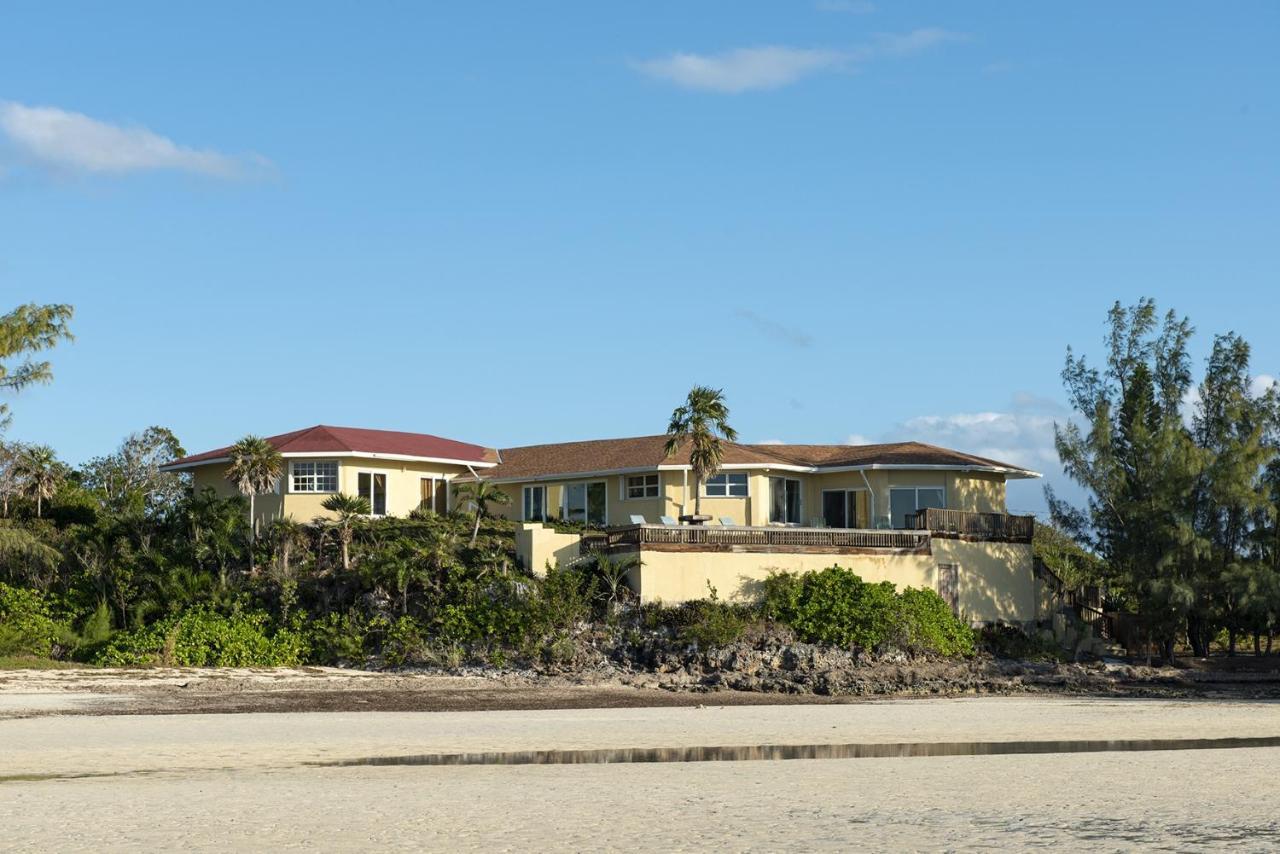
744,538
986,527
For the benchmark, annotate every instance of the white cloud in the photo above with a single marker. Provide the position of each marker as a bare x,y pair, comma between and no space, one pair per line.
1261,384
1024,439
770,442
65,141
858,439
774,66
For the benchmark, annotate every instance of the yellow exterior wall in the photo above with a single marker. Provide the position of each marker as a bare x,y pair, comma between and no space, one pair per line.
971,491
403,486
539,547
995,580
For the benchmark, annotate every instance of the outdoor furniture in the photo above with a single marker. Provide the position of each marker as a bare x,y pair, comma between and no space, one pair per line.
727,521
667,520
637,519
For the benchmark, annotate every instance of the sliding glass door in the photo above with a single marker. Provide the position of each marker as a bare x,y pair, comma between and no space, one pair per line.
586,503
372,487
840,508
784,506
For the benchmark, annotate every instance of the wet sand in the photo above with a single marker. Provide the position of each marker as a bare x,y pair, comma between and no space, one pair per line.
269,781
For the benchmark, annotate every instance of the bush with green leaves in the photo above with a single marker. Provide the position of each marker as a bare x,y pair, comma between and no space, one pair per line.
201,638
836,607
27,625
707,622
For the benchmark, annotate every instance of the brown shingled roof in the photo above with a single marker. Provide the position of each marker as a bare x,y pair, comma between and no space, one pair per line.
340,440
647,452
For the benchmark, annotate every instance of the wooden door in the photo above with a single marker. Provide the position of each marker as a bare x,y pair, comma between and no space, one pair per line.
949,585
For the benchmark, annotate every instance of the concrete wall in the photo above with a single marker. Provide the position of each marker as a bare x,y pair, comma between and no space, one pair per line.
995,580
539,547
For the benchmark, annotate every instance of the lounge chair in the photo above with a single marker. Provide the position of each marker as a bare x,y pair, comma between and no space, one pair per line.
667,520
637,519
727,521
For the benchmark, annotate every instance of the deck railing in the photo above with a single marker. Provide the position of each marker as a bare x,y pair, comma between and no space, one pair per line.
730,537
979,526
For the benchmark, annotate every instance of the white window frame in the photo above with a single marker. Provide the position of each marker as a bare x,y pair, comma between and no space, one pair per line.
706,484
524,502
314,476
942,487
644,488
386,510
586,509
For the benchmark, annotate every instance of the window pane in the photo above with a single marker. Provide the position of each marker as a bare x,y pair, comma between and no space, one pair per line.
902,502
596,501
935,498
364,486
738,484
792,489
833,509
379,495
777,500
575,502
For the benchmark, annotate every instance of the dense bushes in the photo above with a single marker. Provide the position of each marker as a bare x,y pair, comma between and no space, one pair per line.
837,607
27,626
202,638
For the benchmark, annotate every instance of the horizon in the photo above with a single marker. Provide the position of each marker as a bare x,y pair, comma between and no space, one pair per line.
865,223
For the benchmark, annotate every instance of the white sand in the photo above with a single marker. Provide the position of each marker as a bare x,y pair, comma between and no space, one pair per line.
237,782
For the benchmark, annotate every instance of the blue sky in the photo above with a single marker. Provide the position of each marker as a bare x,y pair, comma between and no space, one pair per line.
515,223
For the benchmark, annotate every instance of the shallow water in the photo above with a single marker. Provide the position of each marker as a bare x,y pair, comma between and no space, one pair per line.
777,752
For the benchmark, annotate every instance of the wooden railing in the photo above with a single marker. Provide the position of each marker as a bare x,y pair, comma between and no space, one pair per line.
977,526
751,538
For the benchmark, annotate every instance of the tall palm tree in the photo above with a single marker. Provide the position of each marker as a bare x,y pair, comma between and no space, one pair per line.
39,473
702,421
350,510
255,470
481,494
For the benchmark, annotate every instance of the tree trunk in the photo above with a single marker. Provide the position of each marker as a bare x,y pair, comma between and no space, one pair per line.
1231,643
475,532
1257,644
253,535
697,497
346,554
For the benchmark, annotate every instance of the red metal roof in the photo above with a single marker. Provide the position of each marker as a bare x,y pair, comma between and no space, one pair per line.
344,440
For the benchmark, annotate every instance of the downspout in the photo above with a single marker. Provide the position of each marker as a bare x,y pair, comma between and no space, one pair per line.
871,492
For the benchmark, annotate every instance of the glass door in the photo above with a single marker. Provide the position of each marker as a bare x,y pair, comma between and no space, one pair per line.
373,488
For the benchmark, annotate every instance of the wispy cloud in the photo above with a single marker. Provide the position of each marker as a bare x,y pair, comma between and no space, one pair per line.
848,7
67,142
774,329
774,66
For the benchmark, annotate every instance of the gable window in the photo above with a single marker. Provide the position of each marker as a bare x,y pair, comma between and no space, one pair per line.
372,487
313,476
726,486
585,503
534,504
905,501
642,486
784,504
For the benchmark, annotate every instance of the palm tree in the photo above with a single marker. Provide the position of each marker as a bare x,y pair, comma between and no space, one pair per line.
481,494
39,473
701,421
255,470
350,510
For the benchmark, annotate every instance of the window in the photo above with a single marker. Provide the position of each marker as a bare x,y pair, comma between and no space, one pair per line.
904,501
318,476
784,504
726,485
372,487
840,508
433,494
534,504
585,503
642,486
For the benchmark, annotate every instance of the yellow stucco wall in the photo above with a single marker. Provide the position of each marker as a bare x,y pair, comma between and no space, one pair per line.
995,580
404,485
971,491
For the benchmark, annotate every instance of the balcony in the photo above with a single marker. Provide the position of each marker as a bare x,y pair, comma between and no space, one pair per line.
755,539
962,525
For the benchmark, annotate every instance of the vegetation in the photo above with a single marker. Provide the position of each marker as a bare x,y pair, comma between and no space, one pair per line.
701,422
1182,480
837,607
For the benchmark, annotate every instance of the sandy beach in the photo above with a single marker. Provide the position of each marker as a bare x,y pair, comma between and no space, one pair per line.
74,776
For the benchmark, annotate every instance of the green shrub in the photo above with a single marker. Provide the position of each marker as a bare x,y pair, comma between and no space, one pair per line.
27,626
929,626
337,638
707,622
1011,642
563,600
837,607
202,638
404,642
